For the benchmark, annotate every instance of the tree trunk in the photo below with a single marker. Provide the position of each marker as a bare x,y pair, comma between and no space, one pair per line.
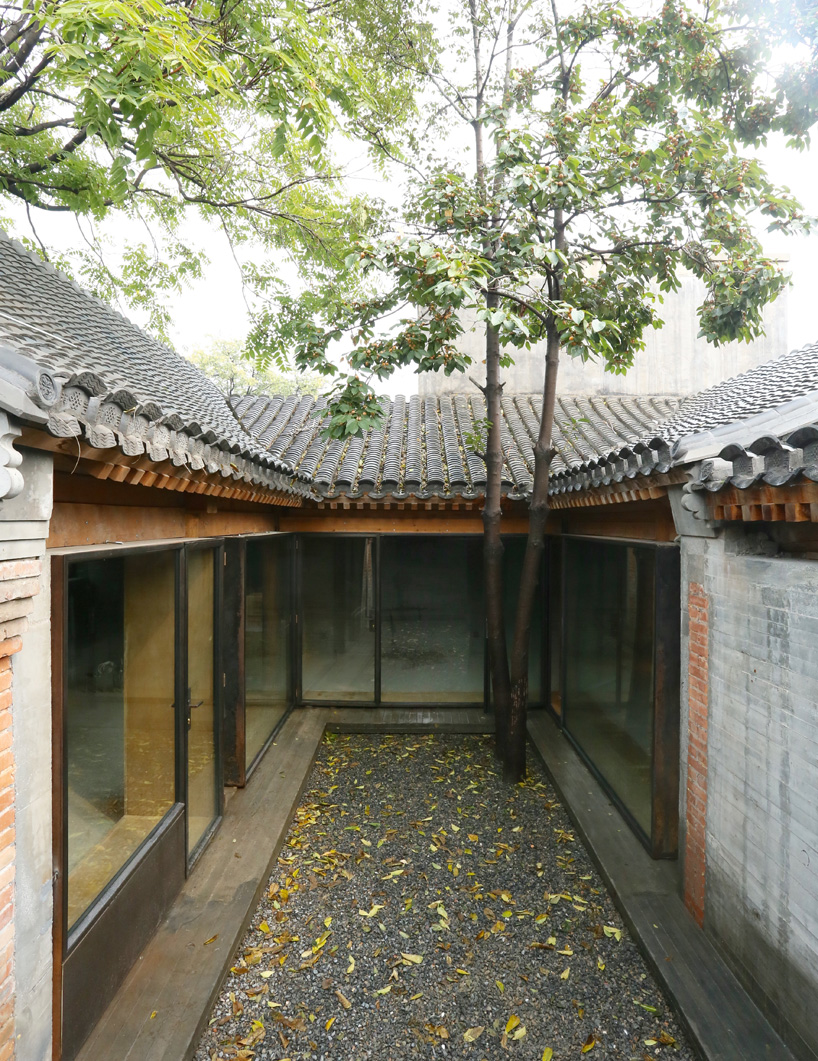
514,761
492,542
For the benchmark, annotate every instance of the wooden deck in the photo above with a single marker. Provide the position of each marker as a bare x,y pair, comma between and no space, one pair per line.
721,1019
180,973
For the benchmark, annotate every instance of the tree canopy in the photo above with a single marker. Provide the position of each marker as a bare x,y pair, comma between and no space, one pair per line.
153,109
610,153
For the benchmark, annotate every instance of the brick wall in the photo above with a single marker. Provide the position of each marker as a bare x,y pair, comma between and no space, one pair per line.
696,789
19,583
750,753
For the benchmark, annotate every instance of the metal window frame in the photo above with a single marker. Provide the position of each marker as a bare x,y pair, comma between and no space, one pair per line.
662,842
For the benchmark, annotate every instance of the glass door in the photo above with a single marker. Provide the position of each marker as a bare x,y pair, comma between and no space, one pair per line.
204,789
339,620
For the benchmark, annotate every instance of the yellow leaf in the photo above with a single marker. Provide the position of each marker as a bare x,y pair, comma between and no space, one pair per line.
651,1042
329,1023
519,1033
547,1054
610,931
565,974
414,998
351,966
415,959
473,1033
473,837
384,990
327,922
153,1014
600,964
264,927
513,1021
211,940
372,912
589,1044
500,986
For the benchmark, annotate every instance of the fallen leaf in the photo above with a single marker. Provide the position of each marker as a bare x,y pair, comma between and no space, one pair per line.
547,1054
565,974
343,1000
520,1032
513,1021
589,1044
153,1014
415,959
351,966
211,940
329,1023
473,1033
500,986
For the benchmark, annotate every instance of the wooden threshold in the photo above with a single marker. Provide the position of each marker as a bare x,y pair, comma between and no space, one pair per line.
721,1019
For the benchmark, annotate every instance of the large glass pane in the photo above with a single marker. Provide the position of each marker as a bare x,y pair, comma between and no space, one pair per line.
555,623
202,774
608,704
119,715
338,616
513,553
266,639
431,620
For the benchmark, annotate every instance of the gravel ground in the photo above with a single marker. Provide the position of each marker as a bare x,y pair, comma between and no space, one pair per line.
423,909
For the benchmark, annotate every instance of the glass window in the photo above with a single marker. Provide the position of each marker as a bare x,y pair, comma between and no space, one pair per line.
609,634
338,619
432,640
202,721
119,714
266,639
555,623
513,554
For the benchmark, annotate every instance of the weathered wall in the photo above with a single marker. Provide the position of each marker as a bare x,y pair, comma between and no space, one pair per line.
674,360
750,825
25,768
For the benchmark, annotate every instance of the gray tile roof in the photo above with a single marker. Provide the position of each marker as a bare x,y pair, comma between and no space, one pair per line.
120,387
420,449
773,399
769,459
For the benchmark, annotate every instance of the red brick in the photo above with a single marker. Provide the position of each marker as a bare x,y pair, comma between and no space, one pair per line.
10,646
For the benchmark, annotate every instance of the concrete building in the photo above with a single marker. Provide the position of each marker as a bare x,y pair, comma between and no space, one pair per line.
674,362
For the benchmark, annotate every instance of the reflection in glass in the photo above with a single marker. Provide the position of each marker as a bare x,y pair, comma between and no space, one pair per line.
513,553
431,620
119,716
266,639
338,637
555,622
202,778
609,632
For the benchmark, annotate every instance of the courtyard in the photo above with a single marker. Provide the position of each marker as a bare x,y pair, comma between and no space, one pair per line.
420,907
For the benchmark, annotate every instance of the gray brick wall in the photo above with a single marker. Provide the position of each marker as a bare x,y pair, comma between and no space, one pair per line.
761,891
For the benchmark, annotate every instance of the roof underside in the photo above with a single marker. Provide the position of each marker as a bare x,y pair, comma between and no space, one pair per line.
420,448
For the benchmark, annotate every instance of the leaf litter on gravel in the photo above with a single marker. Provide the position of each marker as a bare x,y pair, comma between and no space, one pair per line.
421,908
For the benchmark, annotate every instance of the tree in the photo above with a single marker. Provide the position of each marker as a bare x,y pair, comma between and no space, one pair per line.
155,109
609,156
227,364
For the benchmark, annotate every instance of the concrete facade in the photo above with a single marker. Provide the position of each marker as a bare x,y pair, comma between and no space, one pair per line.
674,361
750,835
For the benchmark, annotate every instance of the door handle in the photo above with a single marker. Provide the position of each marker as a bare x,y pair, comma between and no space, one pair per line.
191,706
